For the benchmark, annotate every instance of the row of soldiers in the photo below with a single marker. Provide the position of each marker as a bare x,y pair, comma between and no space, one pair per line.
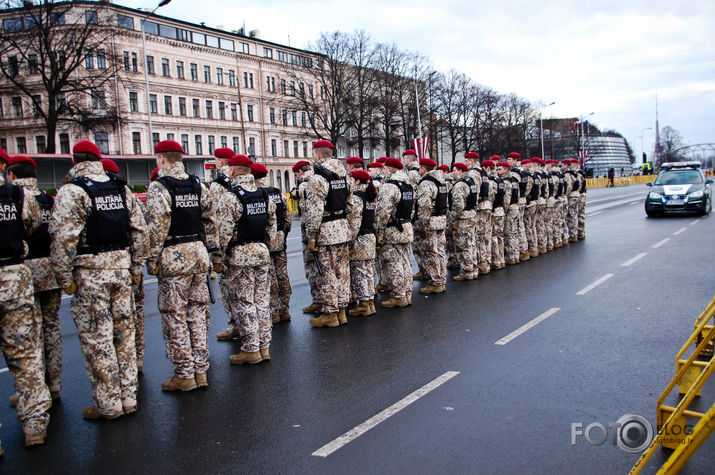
481,216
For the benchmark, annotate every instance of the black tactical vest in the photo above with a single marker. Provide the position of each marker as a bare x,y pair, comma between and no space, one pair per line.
11,227
583,181
472,197
484,189
552,189
276,197
185,209
403,212
368,214
254,220
499,197
39,242
441,201
107,226
223,180
524,181
514,199
575,186
535,188
543,179
336,201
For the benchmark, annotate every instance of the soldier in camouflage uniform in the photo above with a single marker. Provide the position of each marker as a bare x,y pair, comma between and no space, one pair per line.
541,183
430,223
328,234
48,295
574,197
376,170
463,198
484,219
471,159
20,321
532,201
99,243
550,216
280,282
354,163
518,171
512,213
411,168
182,233
502,196
581,233
565,191
361,219
393,228
247,217
303,171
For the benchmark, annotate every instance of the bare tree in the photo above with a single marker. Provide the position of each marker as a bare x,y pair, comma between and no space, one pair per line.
450,108
361,55
670,142
412,94
53,49
392,70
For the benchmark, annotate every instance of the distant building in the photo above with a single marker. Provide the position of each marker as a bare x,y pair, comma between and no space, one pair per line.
605,152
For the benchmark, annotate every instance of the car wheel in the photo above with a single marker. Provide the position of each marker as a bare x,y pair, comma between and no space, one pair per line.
651,214
708,208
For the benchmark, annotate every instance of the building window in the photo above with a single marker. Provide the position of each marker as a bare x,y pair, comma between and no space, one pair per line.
310,91
12,66
137,143
272,115
133,102
36,104
207,74
219,76
195,107
169,136
135,62
267,53
127,64
182,106
283,86
124,21
155,139
32,65
235,145
209,109
285,149
222,110
305,149
245,79
89,59
197,144
167,105
212,144
249,112
194,72
165,68
152,104
284,113
302,119
98,99
244,48
292,88
64,143
40,143
150,64
90,17
294,115
250,80
252,146
101,59
180,70
234,111
224,141
185,143
101,139
21,144
231,78
274,152
295,148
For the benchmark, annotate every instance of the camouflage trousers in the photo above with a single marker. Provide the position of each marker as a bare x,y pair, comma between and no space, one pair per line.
498,241
540,228
452,252
484,240
523,242
311,273
333,286
562,233
418,250
434,260
380,274
511,234
398,269
280,283
362,280
572,217
138,291
183,303
223,285
250,289
20,328
549,224
582,216
103,312
465,248
530,229
48,302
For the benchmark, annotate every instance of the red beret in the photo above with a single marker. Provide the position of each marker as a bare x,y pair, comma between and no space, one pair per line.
300,165
461,166
427,162
361,175
4,156
109,165
324,143
495,158
239,161
567,160
525,161
376,165
487,163
21,159
471,155
444,168
168,146
514,155
355,161
258,170
536,160
394,163
409,151
154,174
224,152
88,147
382,159
504,164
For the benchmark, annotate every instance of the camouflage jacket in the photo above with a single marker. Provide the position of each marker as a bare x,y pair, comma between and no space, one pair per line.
458,197
474,174
216,189
387,201
572,182
185,258
426,196
413,173
67,227
500,210
42,276
363,247
542,178
230,211
316,192
282,229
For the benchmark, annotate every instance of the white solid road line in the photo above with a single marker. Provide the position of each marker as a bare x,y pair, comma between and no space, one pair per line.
695,222
631,261
2,370
594,214
656,246
527,326
359,430
640,193
592,286
635,202
679,231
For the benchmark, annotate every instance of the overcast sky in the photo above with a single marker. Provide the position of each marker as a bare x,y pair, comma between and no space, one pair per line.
608,57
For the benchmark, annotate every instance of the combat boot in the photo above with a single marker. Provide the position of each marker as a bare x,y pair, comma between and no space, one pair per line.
362,309
372,307
433,289
250,357
285,316
533,253
381,288
573,239
225,336
34,439
342,318
313,308
326,320
265,354
177,383
126,410
542,250
419,276
459,278
275,318
13,400
92,413
201,381
395,302
524,256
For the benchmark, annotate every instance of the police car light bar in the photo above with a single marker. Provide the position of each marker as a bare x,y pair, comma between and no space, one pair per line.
669,165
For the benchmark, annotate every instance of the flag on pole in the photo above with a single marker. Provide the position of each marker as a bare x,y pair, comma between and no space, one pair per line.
421,146
575,126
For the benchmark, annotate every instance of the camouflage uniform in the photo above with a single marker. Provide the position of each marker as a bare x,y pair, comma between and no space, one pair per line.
550,217
183,293
102,308
20,330
484,225
362,250
498,218
530,216
248,269
582,205
431,227
512,219
478,223
48,297
311,270
540,224
573,197
419,246
393,243
461,221
332,238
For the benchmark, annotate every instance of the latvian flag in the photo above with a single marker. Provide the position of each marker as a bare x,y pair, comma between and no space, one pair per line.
421,145
575,126
582,154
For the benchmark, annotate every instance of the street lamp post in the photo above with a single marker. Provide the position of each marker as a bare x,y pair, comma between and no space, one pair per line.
541,125
146,72
582,158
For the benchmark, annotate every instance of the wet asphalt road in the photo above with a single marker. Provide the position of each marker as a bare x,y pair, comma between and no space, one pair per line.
508,409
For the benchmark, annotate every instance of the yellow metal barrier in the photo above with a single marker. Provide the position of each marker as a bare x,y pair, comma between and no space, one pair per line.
706,315
292,204
619,181
682,454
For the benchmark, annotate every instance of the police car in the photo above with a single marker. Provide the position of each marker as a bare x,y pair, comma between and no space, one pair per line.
680,186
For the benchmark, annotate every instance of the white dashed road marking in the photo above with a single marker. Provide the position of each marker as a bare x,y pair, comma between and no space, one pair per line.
656,246
631,261
592,286
679,231
528,326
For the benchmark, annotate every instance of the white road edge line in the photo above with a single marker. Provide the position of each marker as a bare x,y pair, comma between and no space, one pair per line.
695,222
527,326
594,214
656,246
631,261
359,430
592,286
635,202
679,231
4,369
